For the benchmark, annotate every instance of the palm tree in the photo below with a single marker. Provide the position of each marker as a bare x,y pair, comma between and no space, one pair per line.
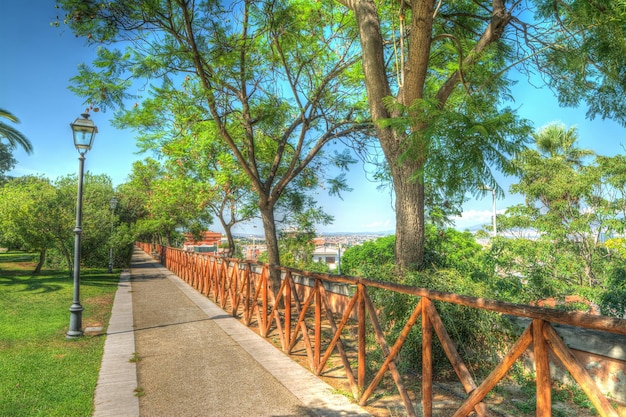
556,141
556,159
14,137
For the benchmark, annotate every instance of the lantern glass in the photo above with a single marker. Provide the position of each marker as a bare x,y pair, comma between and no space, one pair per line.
84,131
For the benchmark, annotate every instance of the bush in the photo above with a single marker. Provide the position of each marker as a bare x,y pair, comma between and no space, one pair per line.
454,263
372,259
613,300
472,329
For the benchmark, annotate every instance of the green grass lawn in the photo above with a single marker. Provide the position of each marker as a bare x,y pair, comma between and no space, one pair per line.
41,372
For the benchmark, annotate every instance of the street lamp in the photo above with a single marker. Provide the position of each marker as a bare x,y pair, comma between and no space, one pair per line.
493,196
113,205
84,131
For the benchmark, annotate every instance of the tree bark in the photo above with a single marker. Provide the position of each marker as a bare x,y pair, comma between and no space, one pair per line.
271,242
42,260
68,257
229,236
409,245
408,187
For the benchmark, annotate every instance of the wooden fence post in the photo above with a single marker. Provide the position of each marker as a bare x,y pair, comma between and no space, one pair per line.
542,370
427,361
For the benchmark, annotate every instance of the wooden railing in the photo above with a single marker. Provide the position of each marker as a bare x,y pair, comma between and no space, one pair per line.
243,287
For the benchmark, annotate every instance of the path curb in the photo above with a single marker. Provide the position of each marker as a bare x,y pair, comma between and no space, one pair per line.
117,381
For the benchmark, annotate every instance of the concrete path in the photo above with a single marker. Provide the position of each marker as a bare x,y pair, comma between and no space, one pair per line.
196,360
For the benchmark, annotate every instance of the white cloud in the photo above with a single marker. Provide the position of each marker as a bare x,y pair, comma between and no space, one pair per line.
379,225
473,218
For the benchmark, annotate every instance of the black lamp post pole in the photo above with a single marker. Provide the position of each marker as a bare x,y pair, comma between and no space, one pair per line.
113,205
84,131
76,309
111,256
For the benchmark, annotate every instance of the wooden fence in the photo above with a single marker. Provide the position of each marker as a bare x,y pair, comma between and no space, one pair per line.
243,287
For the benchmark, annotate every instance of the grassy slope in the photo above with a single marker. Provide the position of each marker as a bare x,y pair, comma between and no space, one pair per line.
41,372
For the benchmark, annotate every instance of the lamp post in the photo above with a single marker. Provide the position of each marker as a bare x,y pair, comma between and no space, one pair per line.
339,260
113,205
84,131
493,196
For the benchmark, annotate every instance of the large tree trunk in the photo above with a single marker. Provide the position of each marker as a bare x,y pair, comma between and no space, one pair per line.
271,241
408,185
409,216
229,236
408,175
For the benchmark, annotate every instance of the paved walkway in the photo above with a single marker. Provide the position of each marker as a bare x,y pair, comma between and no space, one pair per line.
193,359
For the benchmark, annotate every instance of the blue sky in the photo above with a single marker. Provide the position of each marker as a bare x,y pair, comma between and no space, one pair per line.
38,60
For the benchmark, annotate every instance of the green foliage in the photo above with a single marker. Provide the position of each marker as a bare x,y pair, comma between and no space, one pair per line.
462,144
613,300
372,259
122,241
7,162
474,327
452,249
296,248
108,88
247,98
300,212
158,203
438,87
445,249
587,60
573,198
224,190
456,263
530,270
24,203
12,135
97,222
37,214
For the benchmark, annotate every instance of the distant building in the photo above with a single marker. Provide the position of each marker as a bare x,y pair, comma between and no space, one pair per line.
318,241
328,255
252,252
209,242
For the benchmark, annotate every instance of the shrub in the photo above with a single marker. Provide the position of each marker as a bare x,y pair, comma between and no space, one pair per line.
373,259
454,263
613,300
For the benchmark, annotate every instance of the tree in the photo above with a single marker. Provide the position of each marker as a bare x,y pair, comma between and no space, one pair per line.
276,77
191,148
583,55
27,215
224,189
39,215
7,162
570,204
456,263
11,134
161,204
97,218
299,215
445,65
367,259
612,171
